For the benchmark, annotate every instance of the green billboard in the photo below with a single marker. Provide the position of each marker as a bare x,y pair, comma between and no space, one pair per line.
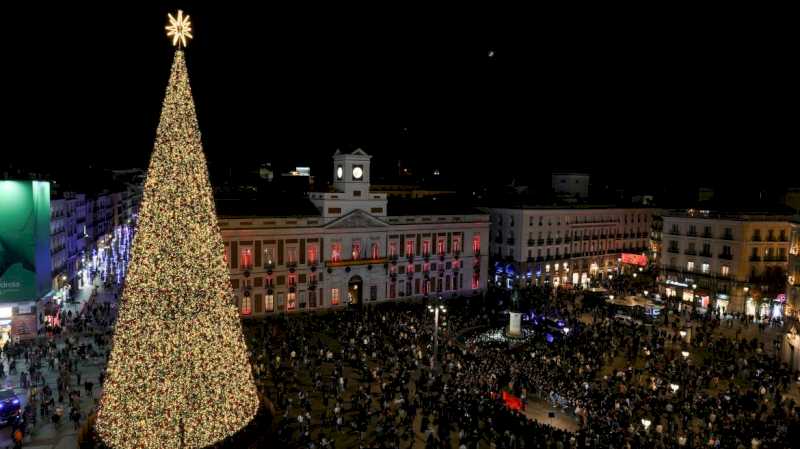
24,240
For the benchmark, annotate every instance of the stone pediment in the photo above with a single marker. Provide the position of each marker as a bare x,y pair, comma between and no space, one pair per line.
357,219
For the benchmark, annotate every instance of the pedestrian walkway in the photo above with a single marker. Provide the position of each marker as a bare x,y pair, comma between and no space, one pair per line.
44,434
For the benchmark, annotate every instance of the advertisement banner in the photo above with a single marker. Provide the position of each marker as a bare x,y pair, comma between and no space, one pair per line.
634,259
24,240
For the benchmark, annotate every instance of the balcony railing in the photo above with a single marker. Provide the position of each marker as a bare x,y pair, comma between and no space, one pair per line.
726,256
755,259
690,252
727,237
531,242
756,238
549,241
540,242
705,254
353,262
692,233
673,250
707,235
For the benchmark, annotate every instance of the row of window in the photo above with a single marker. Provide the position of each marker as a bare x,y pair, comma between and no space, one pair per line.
757,253
602,245
705,268
550,220
271,302
246,255
727,233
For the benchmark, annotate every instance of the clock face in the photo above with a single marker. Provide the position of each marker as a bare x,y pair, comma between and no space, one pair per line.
358,172
339,172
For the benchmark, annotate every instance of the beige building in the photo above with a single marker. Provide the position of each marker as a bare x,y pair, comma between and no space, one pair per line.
725,261
566,245
793,278
349,247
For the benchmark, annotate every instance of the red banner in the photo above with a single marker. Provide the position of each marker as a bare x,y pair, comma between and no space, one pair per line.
512,402
634,259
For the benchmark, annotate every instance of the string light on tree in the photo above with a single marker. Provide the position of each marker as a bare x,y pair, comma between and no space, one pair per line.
178,375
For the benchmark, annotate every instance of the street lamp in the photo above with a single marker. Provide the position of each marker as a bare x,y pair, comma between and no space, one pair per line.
683,333
674,387
646,423
435,310
685,354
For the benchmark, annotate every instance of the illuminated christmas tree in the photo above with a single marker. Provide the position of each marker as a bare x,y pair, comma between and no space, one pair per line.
178,375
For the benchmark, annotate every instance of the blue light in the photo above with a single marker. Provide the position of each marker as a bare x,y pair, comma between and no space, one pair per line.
549,338
15,401
560,323
538,274
510,269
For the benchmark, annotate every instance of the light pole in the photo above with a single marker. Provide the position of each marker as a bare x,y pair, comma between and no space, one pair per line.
435,309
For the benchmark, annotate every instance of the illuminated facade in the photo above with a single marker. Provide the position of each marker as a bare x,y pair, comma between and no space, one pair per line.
349,247
566,245
793,279
720,261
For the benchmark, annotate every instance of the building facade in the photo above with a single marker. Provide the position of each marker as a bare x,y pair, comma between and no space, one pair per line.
347,248
80,223
793,278
725,261
566,245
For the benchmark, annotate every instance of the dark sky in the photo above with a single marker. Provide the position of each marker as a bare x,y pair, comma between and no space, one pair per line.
685,96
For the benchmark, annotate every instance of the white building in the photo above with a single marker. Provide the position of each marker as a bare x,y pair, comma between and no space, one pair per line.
566,245
349,247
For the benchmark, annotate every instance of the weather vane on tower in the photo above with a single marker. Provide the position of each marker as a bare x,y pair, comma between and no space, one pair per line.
179,29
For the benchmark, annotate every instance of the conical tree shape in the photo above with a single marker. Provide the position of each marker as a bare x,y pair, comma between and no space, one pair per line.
178,375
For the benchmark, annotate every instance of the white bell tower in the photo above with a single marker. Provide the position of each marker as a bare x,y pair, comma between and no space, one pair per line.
351,173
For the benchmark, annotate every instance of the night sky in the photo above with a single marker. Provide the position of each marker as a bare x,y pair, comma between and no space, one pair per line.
641,96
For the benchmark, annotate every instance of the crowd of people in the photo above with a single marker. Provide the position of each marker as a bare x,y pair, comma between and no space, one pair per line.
52,368
364,379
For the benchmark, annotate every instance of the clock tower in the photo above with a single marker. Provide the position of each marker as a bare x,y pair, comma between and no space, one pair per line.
351,189
351,173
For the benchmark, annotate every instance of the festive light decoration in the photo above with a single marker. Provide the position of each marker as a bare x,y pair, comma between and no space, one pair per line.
179,29
178,375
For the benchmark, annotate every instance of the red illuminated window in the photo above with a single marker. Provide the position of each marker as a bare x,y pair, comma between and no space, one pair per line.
440,247
456,264
292,280
476,280
410,248
312,255
356,250
410,268
247,305
375,252
334,296
476,244
247,258
392,291
336,252
426,267
291,301
227,256
393,249
426,248
456,244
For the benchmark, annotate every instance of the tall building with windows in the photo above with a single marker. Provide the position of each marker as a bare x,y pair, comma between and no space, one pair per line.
793,279
731,262
566,245
349,247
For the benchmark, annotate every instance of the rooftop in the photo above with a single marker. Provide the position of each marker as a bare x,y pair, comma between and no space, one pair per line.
278,206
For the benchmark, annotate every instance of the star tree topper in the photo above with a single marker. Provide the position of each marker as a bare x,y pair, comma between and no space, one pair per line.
179,29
